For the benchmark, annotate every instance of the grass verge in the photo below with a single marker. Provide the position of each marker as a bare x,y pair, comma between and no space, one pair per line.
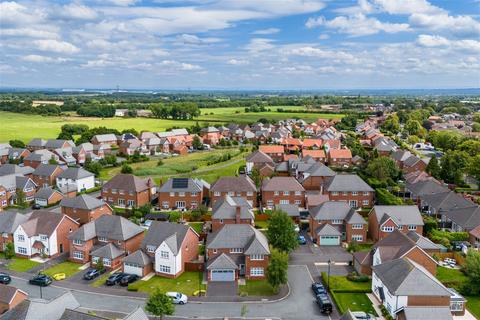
256,288
21,264
67,267
354,302
187,283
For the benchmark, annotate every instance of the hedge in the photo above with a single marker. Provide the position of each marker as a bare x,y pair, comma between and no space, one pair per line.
451,236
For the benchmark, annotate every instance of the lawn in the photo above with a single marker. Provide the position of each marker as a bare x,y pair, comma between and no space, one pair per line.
67,267
364,246
473,305
187,284
21,264
197,226
100,280
261,224
256,288
342,283
354,302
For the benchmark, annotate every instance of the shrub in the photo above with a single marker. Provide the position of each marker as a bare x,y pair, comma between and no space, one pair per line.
175,216
355,277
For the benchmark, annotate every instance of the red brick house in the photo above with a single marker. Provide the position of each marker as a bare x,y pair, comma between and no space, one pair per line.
237,250
318,155
210,135
38,157
350,188
166,250
3,198
273,151
100,139
127,190
316,176
180,193
46,174
339,157
109,238
10,297
231,210
347,224
12,184
241,186
47,196
383,220
84,208
312,144
18,154
282,190
9,221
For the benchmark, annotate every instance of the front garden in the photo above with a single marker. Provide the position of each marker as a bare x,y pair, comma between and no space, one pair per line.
187,283
67,267
21,264
256,288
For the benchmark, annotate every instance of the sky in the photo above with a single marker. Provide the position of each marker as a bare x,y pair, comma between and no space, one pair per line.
240,44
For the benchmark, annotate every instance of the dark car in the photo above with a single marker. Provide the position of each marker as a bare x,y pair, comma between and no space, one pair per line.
93,273
324,304
114,278
5,278
36,207
318,288
302,240
41,280
128,278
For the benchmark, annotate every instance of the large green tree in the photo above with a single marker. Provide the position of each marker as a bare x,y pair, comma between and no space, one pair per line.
472,270
383,168
159,304
277,268
392,124
453,165
281,231
433,168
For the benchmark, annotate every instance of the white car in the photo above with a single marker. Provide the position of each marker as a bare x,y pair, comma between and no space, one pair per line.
177,298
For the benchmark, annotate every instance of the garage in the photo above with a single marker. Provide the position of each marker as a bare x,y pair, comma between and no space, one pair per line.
327,235
222,275
133,268
329,241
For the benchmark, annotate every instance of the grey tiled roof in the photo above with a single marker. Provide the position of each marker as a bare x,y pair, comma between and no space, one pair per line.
42,222
8,168
222,261
172,233
394,246
41,155
7,293
83,201
426,187
237,184
318,169
37,143
446,201
105,137
331,210
405,215
467,218
75,174
239,236
45,170
127,182
348,182
69,314
192,186
259,157
290,209
138,257
57,143
10,220
326,229
282,184
427,313
423,242
109,251
404,277
226,208
108,226
45,193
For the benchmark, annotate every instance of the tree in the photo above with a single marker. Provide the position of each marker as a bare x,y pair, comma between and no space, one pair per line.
9,251
256,177
453,165
472,147
433,168
277,268
196,143
93,167
126,169
21,202
472,270
16,143
392,124
473,167
383,168
99,265
159,304
281,231
52,160
384,197
413,127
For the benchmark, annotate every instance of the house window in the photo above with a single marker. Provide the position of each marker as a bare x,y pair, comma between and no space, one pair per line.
194,194
283,201
249,194
214,250
412,227
286,193
164,254
5,235
236,250
43,237
337,221
276,193
388,229
353,203
231,193
400,228
366,193
181,194
298,193
114,190
180,204
77,242
164,269
21,237
121,191
172,194
165,204
256,272
357,226
121,202
357,237
366,202
456,305
107,262
4,203
298,202
78,255
131,203
334,193
216,194
256,257
345,193
354,193
102,239
22,250
150,249
269,203
94,260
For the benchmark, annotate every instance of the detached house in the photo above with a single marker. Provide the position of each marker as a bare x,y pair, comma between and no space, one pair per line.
36,144
53,144
210,135
282,190
231,210
99,139
237,250
317,155
382,220
127,190
241,186
350,188
10,297
46,174
259,160
9,221
166,249
38,157
339,157
75,179
335,221
108,238
316,176
11,184
275,152
44,233
180,193
84,208
47,196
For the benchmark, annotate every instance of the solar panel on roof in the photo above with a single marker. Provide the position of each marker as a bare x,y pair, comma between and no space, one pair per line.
180,183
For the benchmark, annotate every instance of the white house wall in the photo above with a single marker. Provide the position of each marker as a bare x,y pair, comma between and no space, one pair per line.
175,263
395,302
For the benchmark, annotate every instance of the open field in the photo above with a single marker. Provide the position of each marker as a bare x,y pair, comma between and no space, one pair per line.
25,127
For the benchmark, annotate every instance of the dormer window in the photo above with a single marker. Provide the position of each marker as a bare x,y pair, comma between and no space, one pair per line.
150,249
43,237
102,239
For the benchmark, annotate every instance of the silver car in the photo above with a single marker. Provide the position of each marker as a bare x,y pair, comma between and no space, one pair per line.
177,298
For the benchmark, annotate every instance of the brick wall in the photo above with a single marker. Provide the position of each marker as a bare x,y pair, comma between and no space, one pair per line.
217,224
252,198
84,216
65,228
256,264
348,196
171,200
270,196
140,198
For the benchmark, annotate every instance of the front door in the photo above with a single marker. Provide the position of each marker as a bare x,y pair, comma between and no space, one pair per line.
61,247
242,269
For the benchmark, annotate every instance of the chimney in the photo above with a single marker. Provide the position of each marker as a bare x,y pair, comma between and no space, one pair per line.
237,214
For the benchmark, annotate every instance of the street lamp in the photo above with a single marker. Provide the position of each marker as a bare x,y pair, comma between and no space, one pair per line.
328,278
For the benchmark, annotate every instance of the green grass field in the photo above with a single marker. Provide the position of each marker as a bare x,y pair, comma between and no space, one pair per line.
67,267
187,283
21,264
354,302
256,288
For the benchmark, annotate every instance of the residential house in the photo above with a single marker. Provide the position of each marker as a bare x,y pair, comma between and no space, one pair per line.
316,176
425,313
317,155
46,175
47,196
180,193
84,208
109,238
152,144
241,186
292,145
131,146
18,154
461,219
38,157
210,135
237,250
108,138
275,152
53,144
166,250
439,203
65,156
258,160
83,152
282,190
231,210
382,220
8,169
292,210
12,184
36,144
10,297
9,221
127,190
312,144
345,224
350,188
474,236
416,190
77,179
44,233
339,157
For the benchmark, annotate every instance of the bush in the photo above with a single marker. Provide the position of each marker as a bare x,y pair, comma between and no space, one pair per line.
175,216
126,169
353,276
451,236
384,197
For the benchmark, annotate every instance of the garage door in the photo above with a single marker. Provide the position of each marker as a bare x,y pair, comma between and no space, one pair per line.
222,275
133,269
329,240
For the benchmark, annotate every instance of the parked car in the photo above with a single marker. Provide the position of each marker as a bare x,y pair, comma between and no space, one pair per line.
360,315
324,304
177,298
318,288
302,240
59,276
41,280
128,278
5,278
93,273
114,278
36,206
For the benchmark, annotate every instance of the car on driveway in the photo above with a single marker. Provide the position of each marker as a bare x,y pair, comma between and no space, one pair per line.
324,304
5,278
114,278
360,315
128,278
41,280
177,297
59,276
36,206
318,288
93,273
302,240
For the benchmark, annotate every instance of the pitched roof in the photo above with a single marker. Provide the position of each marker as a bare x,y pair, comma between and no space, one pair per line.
75,174
46,193
239,236
426,313
181,185
69,314
45,169
426,187
226,208
222,261
237,184
83,201
42,222
7,293
340,153
423,242
291,210
271,149
281,184
172,233
105,137
326,229
127,182
403,277
109,251
394,246
475,232
138,257
37,143
347,182
58,143
404,215
7,169
108,226
446,201
41,155
9,221
313,153
467,218
258,156
331,210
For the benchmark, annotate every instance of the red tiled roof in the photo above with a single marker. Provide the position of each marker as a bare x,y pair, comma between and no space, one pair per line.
313,153
340,153
271,149
312,142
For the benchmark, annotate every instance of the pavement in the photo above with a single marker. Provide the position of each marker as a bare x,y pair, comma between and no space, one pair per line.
222,289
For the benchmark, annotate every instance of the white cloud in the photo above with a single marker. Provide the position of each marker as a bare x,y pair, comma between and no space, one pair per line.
121,2
28,32
191,39
363,6
323,36
56,46
458,25
13,13
77,11
181,66
266,31
430,41
238,62
42,59
6,69
408,6
259,44
358,25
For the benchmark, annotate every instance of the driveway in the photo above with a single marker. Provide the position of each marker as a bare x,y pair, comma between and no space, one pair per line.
332,253
222,289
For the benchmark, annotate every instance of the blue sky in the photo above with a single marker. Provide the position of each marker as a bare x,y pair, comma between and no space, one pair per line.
240,44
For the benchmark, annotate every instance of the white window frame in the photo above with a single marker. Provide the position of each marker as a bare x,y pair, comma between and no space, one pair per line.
78,255
412,227
366,193
357,226
102,239
150,249
22,250
216,194
164,254
337,221
43,237
334,193
236,250
357,237
388,229
172,194
257,272
164,269
257,257
181,194
130,203
107,262
298,202
77,242
249,193
276,193
286,193
21,238
365,202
